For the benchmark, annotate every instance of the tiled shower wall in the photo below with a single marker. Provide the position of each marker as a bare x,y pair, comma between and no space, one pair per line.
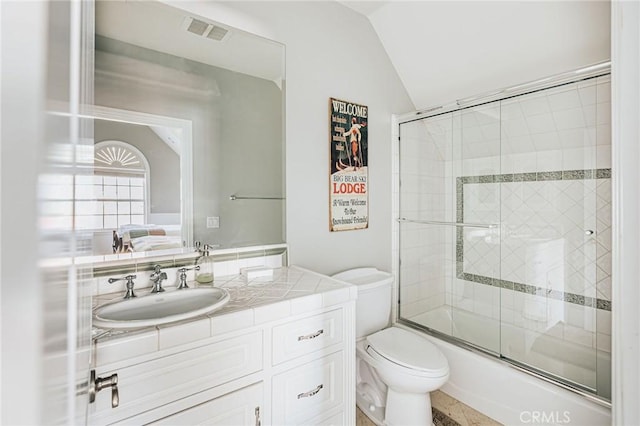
538,168
427,253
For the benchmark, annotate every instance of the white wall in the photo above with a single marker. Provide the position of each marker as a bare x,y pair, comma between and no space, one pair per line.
332,52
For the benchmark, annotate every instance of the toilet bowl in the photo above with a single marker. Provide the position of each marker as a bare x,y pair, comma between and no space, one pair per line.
411,367
396,368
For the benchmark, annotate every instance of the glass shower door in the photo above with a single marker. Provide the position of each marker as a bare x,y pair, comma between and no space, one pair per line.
475,300
449,216
551,259
505,230
426,218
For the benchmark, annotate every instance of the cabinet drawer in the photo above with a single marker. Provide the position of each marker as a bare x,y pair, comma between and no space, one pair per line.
307,335
146,386
308,391
335,420
240,408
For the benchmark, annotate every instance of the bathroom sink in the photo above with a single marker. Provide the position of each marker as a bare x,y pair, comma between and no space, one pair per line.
161,308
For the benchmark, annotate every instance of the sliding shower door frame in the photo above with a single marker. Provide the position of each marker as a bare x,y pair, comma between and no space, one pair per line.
459,106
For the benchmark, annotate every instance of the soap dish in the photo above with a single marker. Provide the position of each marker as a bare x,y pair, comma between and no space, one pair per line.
260,273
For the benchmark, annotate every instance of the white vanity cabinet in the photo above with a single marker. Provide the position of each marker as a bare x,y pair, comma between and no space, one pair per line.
291,362
157,383
241,407
314,390
309,393
306,335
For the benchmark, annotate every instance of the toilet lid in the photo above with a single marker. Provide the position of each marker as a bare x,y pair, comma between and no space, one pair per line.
409,350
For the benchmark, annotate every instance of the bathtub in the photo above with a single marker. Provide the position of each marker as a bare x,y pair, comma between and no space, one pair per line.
503,391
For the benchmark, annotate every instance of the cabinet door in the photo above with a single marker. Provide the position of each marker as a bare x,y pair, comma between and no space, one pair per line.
309,392
161,381
240,408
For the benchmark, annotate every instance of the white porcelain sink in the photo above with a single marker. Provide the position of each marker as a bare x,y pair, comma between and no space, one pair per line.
161,308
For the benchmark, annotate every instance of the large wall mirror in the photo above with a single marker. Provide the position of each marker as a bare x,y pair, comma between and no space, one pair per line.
188,130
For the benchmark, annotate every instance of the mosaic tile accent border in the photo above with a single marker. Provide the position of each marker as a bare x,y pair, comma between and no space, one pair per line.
536,177
577,299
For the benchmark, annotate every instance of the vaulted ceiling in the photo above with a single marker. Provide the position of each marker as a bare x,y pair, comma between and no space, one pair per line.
447,50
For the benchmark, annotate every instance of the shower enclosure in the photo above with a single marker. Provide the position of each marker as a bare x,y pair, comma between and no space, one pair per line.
504,227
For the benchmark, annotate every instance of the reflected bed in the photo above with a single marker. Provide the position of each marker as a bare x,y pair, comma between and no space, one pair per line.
138,238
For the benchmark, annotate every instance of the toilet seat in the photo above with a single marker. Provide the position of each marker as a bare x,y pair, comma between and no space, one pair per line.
407,351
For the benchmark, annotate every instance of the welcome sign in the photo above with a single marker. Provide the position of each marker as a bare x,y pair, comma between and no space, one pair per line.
348,183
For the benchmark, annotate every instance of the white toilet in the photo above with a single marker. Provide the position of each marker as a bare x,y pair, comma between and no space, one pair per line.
396,369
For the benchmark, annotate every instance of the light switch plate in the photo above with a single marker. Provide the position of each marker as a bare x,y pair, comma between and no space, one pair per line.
213,222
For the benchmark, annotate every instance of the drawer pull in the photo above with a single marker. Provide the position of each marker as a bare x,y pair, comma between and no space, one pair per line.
310,393
310,336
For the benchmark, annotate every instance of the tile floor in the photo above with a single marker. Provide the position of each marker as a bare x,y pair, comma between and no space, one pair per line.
447,411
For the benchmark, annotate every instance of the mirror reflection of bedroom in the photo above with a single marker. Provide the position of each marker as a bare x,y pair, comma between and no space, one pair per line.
203,118
137,182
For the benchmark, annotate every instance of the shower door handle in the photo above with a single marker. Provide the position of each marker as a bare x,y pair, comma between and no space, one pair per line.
589,232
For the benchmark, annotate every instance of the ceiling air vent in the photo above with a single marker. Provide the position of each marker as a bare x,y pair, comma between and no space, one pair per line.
217,33
197,27
204,29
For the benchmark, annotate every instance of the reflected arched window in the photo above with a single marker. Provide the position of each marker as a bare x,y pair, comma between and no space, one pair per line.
117,193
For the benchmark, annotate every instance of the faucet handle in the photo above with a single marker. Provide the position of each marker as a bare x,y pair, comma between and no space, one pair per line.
129,294
157,278
183,276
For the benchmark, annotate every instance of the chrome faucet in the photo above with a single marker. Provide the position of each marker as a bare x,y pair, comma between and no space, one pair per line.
156,278
183,276
129,278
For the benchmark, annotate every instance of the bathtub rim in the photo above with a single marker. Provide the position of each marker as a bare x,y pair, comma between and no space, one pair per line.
413,326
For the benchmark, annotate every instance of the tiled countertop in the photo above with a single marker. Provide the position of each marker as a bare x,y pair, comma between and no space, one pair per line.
291,291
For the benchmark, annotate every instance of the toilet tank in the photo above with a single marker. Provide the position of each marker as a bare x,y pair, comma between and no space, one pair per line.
373,307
